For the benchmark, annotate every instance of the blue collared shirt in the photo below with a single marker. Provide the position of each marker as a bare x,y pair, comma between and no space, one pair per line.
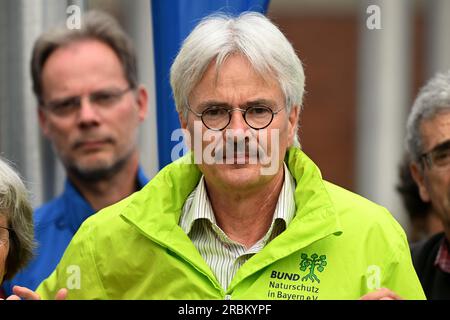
56,222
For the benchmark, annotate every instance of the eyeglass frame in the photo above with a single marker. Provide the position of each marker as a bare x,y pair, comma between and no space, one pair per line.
230,110
9,232
426,156
48,105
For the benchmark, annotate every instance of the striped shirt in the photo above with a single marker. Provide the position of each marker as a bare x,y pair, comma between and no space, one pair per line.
223,255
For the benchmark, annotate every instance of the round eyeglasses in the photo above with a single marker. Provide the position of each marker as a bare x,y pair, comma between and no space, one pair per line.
102,99
438,157
218,118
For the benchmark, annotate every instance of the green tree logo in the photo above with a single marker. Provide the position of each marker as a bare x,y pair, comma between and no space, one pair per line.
312,263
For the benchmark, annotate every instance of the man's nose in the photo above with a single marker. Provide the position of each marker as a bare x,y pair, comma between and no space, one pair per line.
237,120
88,115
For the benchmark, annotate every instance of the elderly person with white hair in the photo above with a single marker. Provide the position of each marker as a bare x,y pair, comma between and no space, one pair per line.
428,142
246,214
16,231
16,223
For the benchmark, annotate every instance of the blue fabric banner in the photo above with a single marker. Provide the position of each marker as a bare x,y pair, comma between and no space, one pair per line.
173,20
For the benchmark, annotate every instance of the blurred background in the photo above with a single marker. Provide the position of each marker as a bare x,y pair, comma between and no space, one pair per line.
360,82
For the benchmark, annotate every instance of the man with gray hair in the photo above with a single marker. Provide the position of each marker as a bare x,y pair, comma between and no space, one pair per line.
90,106
428,142
215,224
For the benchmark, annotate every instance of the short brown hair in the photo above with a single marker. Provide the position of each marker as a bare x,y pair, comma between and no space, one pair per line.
95,25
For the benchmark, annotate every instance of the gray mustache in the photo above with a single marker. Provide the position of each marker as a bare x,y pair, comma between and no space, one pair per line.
237,143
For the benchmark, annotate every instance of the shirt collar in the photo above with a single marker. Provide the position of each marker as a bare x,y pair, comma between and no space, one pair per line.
285,208
198,206
443,257
77,209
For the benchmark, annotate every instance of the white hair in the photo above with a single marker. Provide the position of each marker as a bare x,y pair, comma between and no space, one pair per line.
433,98
250,34
15,207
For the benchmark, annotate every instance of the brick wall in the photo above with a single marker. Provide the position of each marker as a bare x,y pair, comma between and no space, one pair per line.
327,46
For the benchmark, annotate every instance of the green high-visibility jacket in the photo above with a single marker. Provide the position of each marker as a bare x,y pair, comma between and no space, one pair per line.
338,246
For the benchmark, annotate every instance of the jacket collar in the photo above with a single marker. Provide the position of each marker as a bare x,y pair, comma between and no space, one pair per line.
156,210
315,218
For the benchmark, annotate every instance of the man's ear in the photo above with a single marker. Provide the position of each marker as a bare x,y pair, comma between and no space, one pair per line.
142,102
419,177
183,120
293,121
187,133
43,121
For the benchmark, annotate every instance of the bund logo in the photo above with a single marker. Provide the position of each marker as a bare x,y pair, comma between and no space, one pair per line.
313,263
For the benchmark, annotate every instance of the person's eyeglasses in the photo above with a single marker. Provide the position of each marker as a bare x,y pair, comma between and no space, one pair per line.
102,98
438,157
4,235
218,118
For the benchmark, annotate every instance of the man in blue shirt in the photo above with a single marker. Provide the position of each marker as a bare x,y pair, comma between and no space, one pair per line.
90,107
